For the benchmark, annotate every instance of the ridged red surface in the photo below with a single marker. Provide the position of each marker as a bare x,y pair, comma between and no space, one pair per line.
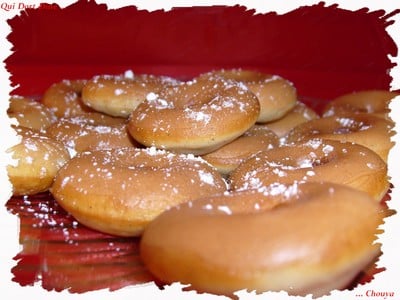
59,253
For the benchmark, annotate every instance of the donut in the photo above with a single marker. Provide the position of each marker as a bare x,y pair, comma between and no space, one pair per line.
308,238
91,131
119,191
30,113
374,102
64,98
197,116
301,113
364,129
277,95
35,162
315,160
229,156
119,95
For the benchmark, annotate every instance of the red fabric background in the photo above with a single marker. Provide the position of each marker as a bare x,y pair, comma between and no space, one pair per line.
324,50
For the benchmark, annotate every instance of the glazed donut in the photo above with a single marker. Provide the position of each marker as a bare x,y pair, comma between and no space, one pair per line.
229,156
198,116
315,160
277,95
308,238
364,129
37,159
119,191
301,113
119,95
91,131
30,113
374,102
64,98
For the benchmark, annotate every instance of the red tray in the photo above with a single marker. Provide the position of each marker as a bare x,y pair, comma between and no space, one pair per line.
62,254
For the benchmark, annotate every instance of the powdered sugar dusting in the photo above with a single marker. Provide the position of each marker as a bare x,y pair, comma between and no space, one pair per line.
151,96
276,188
159,103
118,92
314,143
327,149
206,177
198,116
129,74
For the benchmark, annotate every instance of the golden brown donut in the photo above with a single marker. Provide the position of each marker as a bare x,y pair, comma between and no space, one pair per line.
229,156
315,160
374,102
64,98
197,116
309,238
91,131
36,160
277,95
119,191
119,95
30,113
364,129
299,114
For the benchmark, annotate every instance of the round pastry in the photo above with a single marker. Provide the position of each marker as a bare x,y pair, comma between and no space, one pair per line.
30,113
374,102
229,156
36,160
119,191
277,95
364,129
91,131
301,113
196,117
64,98
309,238
119,95
316,160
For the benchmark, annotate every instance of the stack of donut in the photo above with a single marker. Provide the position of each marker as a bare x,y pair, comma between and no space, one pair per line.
229,179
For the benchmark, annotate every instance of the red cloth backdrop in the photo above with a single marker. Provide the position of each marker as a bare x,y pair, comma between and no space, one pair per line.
324,50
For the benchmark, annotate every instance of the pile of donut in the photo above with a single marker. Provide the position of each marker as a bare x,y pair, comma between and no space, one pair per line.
231,182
